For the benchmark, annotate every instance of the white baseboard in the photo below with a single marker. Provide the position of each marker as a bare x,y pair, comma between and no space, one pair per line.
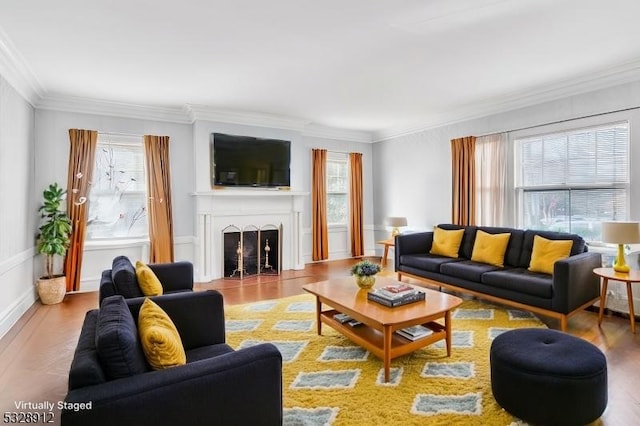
20,289
12,314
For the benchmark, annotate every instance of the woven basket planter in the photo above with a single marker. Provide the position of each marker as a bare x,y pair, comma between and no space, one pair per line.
52,290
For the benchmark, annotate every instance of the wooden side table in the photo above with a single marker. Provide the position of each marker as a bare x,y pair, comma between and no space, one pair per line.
387,243
630,277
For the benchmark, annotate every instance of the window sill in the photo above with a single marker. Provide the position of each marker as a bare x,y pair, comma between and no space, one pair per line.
115,243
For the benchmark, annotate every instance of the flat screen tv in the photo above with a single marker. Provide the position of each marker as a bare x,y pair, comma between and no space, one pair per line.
245,161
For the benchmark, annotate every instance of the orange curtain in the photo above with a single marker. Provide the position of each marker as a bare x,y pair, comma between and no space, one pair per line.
156,150
355,203
82,152
463,180
319,205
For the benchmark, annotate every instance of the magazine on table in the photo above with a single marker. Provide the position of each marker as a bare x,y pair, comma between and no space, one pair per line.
415,332
410,297
382,292
346,319
398,288
342,318
396,292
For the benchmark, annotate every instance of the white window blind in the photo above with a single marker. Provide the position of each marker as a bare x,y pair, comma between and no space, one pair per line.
118,195
574,180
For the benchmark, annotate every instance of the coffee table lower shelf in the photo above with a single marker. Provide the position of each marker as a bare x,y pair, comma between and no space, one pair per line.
372,339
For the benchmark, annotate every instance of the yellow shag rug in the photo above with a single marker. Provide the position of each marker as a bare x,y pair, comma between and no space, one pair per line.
329,380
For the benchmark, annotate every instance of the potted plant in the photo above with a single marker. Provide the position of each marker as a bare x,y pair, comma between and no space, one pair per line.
365,273
53,240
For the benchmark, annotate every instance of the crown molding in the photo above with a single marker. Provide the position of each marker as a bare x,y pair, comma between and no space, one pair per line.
116,109
191,113
625,73
14,68
325,132
259,119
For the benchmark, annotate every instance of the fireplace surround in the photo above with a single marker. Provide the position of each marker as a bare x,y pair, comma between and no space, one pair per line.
245,209
251,251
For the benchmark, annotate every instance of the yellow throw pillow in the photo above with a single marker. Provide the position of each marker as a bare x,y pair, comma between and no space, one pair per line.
446,243
147,280
490,248
547,252
160,339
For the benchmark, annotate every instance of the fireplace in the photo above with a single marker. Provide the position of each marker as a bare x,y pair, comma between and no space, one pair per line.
251,251
255,215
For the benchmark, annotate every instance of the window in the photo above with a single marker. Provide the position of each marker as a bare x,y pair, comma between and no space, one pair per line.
118,195
337,189
572,181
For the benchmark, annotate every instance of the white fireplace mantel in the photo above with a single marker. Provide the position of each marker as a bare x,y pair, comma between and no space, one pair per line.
217,209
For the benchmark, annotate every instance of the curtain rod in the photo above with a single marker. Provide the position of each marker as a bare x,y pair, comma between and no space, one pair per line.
562,121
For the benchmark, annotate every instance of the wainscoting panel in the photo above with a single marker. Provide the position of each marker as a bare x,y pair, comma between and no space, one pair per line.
98,257
17,288
339,245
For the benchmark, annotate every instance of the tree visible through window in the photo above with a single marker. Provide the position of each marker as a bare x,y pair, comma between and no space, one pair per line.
572,181
337,189
118,196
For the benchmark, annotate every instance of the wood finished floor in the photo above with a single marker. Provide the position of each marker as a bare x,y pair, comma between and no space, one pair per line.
36,353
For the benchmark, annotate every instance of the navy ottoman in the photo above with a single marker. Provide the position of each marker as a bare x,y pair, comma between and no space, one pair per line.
547,377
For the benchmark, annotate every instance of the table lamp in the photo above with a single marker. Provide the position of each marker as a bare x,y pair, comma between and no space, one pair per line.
396,223
621,233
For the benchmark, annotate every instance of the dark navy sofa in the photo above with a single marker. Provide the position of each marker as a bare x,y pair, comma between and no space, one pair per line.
110,382
571,288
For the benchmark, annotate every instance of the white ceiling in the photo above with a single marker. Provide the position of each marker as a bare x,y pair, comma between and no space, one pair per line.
370,65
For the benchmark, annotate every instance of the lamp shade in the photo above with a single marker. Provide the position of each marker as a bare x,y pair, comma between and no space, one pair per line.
396,221
621,232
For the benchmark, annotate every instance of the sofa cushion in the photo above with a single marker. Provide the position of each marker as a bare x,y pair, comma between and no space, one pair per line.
427,262
160,339
521,281
117,340
446,242
147,280
490,248
527,245
209,351
469,235
512,254
547,252
86,369
123,275
467,269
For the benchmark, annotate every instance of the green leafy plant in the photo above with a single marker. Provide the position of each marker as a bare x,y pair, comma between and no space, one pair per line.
365,268
55,229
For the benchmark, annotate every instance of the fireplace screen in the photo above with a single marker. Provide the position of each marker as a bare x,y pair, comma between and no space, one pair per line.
251,251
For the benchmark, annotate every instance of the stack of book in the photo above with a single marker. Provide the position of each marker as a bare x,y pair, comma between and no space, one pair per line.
346,319
414,333
395,295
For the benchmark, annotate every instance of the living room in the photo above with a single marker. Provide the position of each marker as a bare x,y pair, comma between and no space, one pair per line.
406,161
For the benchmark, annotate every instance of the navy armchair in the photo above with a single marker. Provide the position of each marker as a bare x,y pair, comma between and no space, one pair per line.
121,279
217,385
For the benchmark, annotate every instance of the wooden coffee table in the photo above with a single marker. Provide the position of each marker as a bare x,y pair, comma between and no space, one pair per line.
376,334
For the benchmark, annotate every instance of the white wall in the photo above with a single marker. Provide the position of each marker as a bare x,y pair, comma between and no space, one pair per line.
18,212
301,145
52,158
189,151
417,168
339,238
